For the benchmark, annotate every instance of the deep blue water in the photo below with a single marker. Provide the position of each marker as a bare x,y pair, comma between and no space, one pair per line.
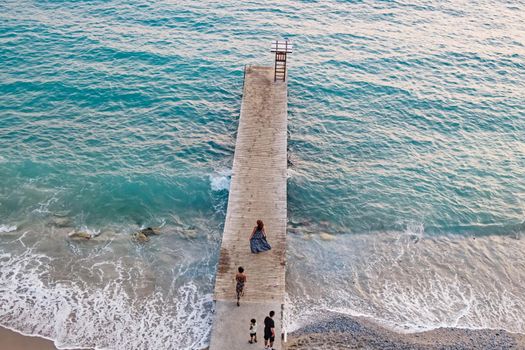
403,118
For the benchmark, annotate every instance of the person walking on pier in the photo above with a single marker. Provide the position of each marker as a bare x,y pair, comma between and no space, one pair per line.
258,242
240,277
269,331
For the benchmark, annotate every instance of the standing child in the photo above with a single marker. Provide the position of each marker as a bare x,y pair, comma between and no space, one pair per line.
253,331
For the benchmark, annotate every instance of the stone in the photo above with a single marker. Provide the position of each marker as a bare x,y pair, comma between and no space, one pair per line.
141,237
60,221
80,234
148,231
326,236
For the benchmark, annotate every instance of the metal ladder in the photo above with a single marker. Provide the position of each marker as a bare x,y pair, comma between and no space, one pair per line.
281,49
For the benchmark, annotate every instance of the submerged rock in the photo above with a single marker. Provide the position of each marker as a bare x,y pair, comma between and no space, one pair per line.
148,231
60,221
326,236
143,235
80,234
189,234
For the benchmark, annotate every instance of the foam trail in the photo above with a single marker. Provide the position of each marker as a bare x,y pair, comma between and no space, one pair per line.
410,281
120,312
8,228
221,180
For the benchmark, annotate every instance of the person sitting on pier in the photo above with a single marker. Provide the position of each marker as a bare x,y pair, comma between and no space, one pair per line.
240,277
258,241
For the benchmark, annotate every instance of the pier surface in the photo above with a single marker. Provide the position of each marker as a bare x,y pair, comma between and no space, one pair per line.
257,191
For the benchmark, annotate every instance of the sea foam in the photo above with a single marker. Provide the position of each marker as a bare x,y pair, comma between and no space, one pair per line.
409,281
7,228
221,180
75,314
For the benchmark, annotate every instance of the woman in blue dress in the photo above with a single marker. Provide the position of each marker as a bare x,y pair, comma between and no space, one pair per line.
258,241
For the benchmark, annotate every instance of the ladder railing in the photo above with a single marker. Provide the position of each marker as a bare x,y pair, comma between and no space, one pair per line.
281,48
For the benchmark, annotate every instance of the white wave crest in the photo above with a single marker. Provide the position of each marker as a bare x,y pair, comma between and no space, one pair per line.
221,180
119,314
416,229
8,228
410,284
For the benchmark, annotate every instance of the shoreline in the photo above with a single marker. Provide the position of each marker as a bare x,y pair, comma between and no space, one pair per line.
12,340
337,331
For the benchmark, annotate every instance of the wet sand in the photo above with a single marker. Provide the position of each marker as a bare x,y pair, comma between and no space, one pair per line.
344,332
10,340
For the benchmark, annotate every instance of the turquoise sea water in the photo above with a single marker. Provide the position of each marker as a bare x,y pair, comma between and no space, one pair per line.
406,149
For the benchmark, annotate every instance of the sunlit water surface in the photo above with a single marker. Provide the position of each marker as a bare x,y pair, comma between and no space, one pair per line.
406,186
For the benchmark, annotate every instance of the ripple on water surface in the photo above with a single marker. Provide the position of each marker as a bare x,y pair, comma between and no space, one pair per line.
118,115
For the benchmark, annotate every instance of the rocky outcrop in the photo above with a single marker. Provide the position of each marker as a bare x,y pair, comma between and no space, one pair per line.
144,234
81,235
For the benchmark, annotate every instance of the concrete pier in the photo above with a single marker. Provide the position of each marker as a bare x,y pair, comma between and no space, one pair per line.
257,191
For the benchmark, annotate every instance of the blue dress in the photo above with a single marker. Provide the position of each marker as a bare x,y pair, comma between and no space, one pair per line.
258,242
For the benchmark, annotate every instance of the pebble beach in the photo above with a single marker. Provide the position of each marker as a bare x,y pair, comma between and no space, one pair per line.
342,332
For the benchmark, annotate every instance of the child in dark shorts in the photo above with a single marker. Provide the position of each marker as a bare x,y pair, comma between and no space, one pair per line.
253,331
269,331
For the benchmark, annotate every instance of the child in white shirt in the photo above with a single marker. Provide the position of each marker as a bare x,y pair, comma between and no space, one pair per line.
253,331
